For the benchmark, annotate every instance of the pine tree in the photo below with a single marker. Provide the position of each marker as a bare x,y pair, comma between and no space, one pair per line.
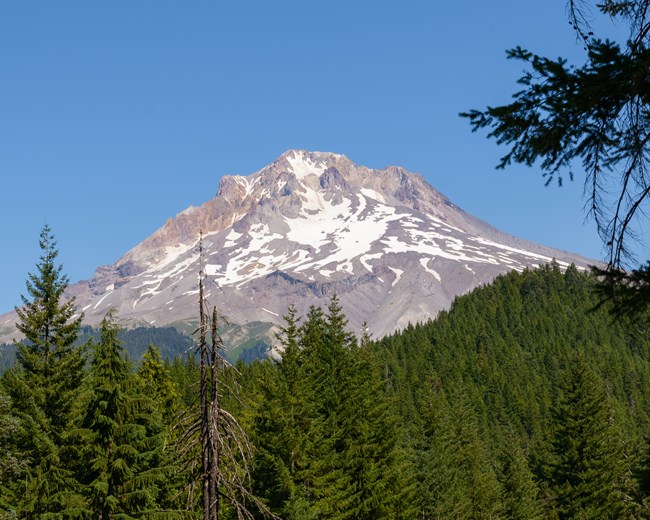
156,380
12,462
589,471
352,464
122,430
45,385
520,496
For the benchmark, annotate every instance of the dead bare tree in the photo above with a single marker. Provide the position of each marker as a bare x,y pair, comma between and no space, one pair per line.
226,453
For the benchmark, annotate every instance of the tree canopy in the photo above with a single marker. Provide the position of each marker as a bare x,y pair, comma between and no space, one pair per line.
597,114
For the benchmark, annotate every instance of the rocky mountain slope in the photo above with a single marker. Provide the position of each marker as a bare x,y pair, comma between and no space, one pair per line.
308,225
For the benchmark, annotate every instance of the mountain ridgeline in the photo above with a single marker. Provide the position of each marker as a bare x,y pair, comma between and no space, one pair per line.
308,225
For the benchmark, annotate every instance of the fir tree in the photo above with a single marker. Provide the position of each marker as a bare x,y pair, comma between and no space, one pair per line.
122,456
155,379
520,493
44,387
589,471
11,461
442,491
289,338
352,458
48,355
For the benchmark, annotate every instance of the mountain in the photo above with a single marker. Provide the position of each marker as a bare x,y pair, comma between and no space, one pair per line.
306,226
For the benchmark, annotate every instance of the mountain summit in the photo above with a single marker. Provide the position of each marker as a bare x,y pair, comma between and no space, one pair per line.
308,225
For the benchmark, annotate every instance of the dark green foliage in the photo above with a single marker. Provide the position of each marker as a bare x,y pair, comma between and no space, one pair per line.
442,491
12,462
50,363
155,380
185,374
122,435
628,294
502,351
597,113
255,351
589,468
44,388
7,357
452,418
457,475
327,439
520,492
169,341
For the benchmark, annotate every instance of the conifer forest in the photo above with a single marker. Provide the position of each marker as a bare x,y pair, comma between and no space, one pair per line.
526,400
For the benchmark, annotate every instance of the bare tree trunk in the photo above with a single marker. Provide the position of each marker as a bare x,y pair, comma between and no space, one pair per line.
214,415
205,417
225,450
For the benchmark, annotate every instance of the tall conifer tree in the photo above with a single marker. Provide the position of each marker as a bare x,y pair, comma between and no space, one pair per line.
123,433
589,471
45,386
352,458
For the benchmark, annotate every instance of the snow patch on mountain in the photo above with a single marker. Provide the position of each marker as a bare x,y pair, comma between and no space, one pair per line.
231,239
372,194
424,262
302,166
398,274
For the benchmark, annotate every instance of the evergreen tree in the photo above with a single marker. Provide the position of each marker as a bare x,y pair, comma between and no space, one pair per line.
352,461
474,391
472,457
52,364
44,387
289,338
122,455
442,491
589,472
281,423
156,381
11,461
520,492
185,374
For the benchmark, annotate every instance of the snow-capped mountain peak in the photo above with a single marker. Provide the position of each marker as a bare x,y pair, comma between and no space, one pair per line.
307,225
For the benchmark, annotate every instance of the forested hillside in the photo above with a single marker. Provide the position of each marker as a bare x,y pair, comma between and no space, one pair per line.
168,340
522,401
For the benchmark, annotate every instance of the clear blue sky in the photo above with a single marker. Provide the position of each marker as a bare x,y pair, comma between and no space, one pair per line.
117,115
